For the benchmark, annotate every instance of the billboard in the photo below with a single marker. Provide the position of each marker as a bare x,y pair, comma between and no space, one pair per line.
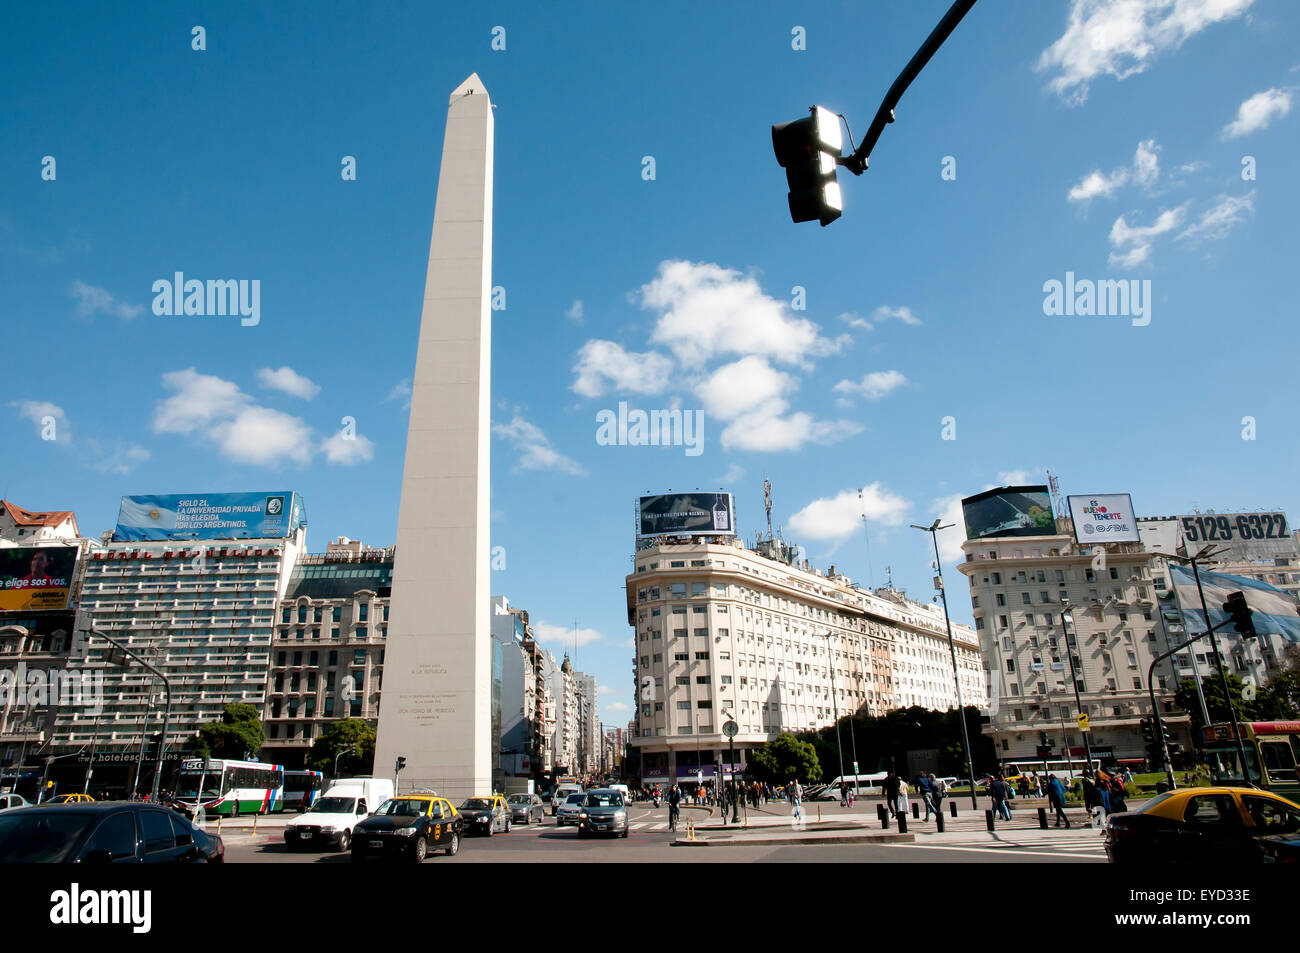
264,515
37,577
686,514
1009,511
1243,537
1104,518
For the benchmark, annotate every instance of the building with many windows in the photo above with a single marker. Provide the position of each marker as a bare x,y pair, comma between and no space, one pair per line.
327,656
727,633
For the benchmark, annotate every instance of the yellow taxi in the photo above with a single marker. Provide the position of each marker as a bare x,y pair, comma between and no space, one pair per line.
73,799
409,827
487,815
1232,824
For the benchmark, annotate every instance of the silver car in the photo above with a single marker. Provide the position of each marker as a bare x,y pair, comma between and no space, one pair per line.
8,801
526,808
603,812
567,813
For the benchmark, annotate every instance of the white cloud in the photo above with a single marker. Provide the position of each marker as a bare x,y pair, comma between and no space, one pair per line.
1138,238
838,517
1013,477
1216,222
264,437
37,410
1257,112
91,300
707,310
200,400
564,636
1095,183
347,450
767,429
879,316
122,459
733,475
602,361
536,452
739,387
574,313
289,381
873,386
401,391
1123,37
1146,163
618,707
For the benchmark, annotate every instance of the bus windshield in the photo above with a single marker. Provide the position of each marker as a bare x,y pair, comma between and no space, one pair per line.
1225,767
187,785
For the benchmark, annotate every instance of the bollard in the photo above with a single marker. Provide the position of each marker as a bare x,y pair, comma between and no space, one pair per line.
819,813
218,824
952,806
1042,818
988,819
880,811
938,819
916,811
884,821
902,822
255,816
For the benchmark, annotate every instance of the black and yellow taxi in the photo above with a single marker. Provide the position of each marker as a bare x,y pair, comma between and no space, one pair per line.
485,815
409,827
1217,824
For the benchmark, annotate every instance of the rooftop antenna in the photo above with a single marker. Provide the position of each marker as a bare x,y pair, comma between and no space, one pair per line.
866,532
1055,487
767,504
889,577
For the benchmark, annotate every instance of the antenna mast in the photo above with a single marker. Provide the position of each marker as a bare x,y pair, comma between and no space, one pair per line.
767,504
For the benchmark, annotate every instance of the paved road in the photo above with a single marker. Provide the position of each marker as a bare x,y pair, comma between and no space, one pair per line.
649,841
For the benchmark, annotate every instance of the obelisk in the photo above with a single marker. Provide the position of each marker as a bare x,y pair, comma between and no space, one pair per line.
436,706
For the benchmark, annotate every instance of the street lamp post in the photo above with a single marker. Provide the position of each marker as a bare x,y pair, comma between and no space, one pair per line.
835,707
1066,619
933,530
353,748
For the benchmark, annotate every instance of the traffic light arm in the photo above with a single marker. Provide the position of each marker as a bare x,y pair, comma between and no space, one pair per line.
857,163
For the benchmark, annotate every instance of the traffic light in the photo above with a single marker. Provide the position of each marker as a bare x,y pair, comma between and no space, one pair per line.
1156,757
1148,732
808,150
1240,612
1042,740
401,763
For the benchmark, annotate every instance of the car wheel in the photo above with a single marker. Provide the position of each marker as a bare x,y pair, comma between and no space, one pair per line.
454,847
344,841
420,850
625,834
489,829
507,825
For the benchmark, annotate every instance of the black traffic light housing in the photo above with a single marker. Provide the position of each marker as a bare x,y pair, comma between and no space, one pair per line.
401,762
1242,617
1148,732
809,149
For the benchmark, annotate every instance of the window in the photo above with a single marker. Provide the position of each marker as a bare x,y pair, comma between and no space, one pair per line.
1114,573
1001,599
334,657
701,679
659,657
997,579
302,614
683,706
365,612
316,614
157,830
279,659
681,656
678,589
704,704
297,658
683,680
701,656
116,836
284,615
1212,811
358,656
698,588
1011,665
1024,598
338,614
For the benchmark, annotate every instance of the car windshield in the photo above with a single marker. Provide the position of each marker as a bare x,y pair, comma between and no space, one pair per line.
522,799
41,837
605,799
477,804
401,807
576,799
334,805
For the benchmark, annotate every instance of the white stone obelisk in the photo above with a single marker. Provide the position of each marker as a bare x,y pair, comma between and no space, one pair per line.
436,707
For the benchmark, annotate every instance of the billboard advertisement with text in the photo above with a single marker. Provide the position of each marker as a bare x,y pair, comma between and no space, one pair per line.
1009,511
36,578
686,514
1104,518
272,515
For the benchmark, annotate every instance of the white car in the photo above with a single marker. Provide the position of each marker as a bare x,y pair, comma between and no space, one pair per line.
8,801
568,812
328,822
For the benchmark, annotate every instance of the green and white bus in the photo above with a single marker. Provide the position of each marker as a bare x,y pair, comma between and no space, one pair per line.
230,788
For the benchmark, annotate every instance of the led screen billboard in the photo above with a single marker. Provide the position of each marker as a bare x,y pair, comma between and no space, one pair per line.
37,577
1009,511
270,515
686,514
1104,518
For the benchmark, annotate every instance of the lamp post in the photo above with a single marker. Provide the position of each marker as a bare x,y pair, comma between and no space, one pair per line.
354,748
933,530
835,707
167,710
1066,618
731,729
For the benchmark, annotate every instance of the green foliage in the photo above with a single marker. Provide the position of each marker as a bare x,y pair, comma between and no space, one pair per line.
883,742
785,759
237,735
344,735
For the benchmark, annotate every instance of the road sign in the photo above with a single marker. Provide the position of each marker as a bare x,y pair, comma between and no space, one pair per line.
730,729
1083,723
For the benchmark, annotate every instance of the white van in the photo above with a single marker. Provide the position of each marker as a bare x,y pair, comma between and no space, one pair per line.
330,820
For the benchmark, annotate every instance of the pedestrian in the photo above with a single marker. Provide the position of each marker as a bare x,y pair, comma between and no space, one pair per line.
891,792
796,799
998,791
844,793
1117,802
902,797
940,787
1056,798
1103,790
925,788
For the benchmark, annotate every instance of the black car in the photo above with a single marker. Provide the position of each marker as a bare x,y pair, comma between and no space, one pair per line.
408,828
105,832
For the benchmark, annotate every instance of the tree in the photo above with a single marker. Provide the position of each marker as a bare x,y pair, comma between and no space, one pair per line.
785,759
344,735
237,735
1212,687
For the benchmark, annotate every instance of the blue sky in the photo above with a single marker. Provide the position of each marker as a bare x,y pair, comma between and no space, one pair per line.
1091,137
